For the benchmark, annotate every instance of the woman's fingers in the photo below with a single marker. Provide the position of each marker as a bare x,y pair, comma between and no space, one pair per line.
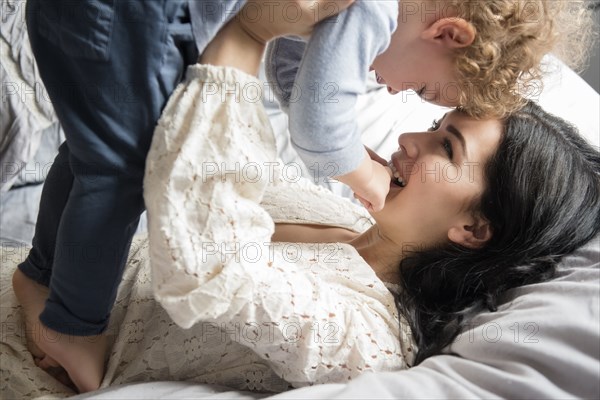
265,20
322,9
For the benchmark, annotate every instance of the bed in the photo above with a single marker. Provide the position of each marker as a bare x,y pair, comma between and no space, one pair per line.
543,342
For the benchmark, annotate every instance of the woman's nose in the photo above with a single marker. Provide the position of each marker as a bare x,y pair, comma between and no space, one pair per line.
411,144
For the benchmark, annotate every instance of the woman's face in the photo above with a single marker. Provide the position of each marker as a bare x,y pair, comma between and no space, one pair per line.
442,171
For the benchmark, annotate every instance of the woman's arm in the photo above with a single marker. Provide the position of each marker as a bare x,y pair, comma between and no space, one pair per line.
234,47
309,233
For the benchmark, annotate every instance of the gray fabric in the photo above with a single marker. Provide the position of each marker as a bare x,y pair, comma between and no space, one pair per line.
18,213
19,205
26,108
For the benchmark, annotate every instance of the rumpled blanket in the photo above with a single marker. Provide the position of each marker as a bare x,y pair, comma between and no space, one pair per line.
26,108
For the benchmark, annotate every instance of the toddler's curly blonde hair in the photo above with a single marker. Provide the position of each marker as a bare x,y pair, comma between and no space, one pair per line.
504,61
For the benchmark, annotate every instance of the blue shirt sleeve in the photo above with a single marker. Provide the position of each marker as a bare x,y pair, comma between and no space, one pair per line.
331,74
208,16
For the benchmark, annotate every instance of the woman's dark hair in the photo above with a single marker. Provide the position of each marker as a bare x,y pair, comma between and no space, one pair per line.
542,199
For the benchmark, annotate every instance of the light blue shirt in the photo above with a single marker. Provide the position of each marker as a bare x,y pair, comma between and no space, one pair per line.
318,81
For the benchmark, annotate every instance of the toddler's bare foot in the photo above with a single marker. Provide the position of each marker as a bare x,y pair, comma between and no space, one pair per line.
31,296
82,357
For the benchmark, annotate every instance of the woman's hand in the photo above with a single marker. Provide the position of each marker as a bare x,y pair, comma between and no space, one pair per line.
241,42
265,20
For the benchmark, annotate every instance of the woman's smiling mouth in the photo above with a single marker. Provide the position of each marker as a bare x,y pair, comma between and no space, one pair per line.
398,179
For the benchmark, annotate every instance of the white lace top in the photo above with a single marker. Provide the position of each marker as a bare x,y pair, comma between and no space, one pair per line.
240,311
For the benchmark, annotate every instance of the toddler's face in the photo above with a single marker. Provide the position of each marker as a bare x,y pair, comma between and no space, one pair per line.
421,57
420,66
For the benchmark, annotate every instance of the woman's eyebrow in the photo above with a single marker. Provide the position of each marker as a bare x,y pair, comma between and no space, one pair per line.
453,130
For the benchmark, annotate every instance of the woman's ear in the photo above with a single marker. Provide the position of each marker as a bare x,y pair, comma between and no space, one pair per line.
452,32
472,236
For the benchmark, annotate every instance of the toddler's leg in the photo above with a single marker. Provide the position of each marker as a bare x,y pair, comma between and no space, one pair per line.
109,68
55,194
38,265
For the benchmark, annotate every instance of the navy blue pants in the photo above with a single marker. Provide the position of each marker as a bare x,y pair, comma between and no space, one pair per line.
109,67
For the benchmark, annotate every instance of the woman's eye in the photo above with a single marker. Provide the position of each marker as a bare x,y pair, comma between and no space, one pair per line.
446,143
448,147
435,125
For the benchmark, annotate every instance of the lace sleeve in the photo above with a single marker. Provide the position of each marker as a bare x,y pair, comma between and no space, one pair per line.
292,199
316,313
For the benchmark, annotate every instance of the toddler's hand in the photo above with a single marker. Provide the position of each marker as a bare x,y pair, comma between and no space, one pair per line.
265,20
373,195
376,157
370,182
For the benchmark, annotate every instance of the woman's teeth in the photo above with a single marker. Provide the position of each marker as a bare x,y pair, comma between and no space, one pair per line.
399,180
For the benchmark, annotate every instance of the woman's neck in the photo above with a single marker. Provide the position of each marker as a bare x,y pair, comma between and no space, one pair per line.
381,253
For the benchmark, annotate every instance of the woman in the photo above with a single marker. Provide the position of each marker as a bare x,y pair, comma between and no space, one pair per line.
481,208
